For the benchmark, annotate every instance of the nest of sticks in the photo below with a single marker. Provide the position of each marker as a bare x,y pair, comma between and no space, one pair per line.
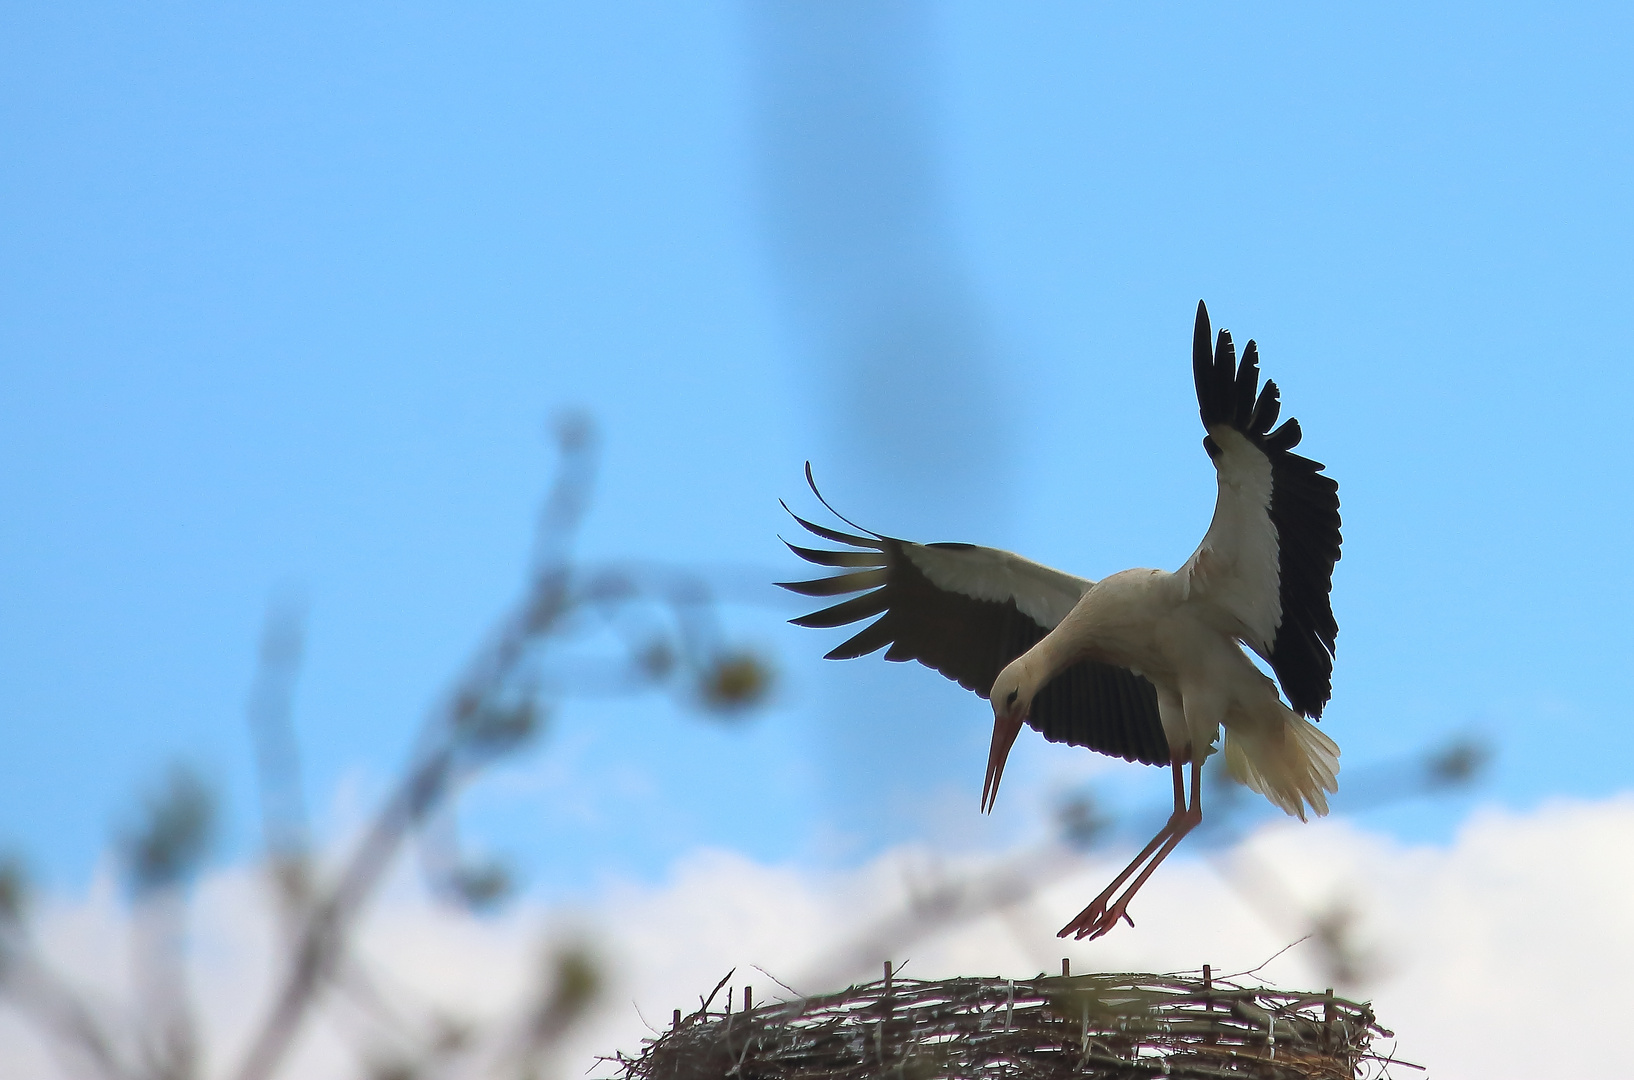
1103,1026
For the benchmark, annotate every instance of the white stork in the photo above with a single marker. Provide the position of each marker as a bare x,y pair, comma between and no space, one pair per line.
1144,665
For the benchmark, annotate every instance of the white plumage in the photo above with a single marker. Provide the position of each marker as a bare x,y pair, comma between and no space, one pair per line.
1146,665
1042,594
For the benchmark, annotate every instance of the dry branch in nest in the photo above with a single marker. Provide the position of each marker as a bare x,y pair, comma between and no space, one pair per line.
1107,1026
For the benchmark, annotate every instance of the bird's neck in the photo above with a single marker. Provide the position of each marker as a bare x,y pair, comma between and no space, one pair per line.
1093,630
1055,652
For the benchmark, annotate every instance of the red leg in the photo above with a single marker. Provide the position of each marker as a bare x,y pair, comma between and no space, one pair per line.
1101,916
1091,915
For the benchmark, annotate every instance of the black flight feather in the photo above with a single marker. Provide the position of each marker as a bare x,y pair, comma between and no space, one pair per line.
1304,511
834,558
1105,708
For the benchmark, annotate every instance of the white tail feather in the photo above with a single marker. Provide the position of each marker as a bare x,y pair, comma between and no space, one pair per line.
1288,760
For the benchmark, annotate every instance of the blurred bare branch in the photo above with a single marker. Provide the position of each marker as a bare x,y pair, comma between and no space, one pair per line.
570,983
1331,927
936,903
665,633
163,851
1082,821
1460,762
665,619
1439,770
80,1038
277,754
575,630
939,902
13,897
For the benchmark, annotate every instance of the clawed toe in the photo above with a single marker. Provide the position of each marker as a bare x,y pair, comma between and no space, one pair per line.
1087,922
1097,920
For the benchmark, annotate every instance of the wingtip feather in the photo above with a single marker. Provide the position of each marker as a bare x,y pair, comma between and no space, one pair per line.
826,533
854,581
1222,390
1285,437
1247,384
1266,409
846,611
869,558
1202,358
811,482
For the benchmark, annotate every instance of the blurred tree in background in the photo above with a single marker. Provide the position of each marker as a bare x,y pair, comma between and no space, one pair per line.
656,628
666,636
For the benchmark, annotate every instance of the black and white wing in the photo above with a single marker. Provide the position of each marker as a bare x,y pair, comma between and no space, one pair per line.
967,611
1267,560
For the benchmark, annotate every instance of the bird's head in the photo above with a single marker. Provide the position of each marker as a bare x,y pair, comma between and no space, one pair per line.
1012,694
1012,700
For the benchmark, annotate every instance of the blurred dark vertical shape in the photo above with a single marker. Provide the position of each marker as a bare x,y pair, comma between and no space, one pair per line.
163,853
897,359
277,754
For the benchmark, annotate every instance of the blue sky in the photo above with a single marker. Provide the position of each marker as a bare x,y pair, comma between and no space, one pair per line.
288,296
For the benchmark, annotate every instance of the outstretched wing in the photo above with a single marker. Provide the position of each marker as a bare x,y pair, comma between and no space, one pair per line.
967,611
1267,559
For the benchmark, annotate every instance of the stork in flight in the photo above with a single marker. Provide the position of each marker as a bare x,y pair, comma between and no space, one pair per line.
1144,665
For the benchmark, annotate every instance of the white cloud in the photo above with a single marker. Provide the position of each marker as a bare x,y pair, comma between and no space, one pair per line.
1490,953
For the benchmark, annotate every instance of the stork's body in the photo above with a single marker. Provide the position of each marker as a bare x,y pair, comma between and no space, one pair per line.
1153,624
1141,620
1147,665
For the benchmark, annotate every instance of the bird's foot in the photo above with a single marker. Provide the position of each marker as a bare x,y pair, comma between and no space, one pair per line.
1103,912
1098,918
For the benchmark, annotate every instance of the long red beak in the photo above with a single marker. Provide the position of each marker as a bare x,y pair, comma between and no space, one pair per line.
1005,730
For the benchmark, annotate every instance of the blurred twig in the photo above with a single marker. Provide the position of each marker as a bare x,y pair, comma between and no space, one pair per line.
938,902
666,633
277,756
77,1035
161,850
666,621
489,713
1332,925
162,854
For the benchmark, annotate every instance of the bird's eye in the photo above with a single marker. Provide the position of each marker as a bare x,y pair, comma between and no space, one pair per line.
1011,700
